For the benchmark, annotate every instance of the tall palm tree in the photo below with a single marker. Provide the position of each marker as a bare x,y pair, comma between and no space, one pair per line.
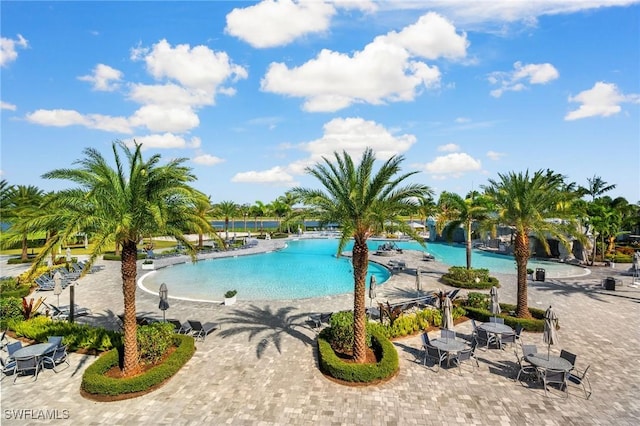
457,212
528,203
203,209
351,197
121,205
596,187
22,204
226,210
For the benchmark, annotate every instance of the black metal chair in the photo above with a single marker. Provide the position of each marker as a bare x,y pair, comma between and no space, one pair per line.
56,357
465,355
580,378
435,355
447,334
27,365
200,331
485,339
525,368
569,357
557,377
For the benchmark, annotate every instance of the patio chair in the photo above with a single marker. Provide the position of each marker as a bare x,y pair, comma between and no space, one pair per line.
475,328
496,320
525,368
447,334
12,348
63,312
318,319
485,339
3,340
200,331
511,338
25,366
569,357
56,357
580,378
179,327
8,368
434,354
557,377
464,355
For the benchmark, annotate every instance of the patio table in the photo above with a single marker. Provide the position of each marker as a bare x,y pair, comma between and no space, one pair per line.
497,329
37,350
553,362
448,346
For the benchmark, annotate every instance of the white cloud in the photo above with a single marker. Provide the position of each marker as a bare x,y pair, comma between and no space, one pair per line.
197,67
169,95
450,147
104,78
276,23
451,165
462,120
165,141
65,117
386,70
479,14
164,118
352,135
207,160
8,52
276,175
516,80
602,100
362,5
493,155
7,106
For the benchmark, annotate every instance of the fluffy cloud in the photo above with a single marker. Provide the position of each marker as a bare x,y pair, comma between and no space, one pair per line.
517,79
450,147
65,117
104,78
495,156
8,52
452,165
275,23
164,118
207,160
602,100
386,70
166,141
275,176
7,106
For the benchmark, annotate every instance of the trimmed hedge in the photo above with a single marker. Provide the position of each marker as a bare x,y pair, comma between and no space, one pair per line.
493,281
535,324
113,256
95,383
333,366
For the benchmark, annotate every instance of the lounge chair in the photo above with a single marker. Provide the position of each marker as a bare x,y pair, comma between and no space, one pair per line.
63,312
8,367
179,327
201,331
318,319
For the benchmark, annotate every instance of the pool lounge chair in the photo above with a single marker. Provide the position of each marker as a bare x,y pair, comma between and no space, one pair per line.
200,331
179,327
63,312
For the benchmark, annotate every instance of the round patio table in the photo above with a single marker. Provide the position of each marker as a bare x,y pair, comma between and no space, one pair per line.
37,350
552,362
448,345
495,328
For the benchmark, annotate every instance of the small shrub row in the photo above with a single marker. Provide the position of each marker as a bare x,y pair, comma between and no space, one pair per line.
461,277
536,324
113,256
77,336
18,261
10,287
95,383
332,365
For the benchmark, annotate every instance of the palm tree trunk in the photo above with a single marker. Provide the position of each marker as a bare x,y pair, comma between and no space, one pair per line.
129,271
360,259
200,240
25,253
468,245
521,253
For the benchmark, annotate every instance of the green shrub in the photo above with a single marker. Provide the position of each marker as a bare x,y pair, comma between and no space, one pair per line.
10,310
341,331
229,294
535,324
478,300
18,261
154,340
11,287
94,382
77,336
113,256
332,365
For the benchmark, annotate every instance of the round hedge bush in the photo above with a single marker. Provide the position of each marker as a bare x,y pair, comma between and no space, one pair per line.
333,366
95,385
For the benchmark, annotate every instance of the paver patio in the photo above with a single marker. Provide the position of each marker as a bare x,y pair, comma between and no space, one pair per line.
273,377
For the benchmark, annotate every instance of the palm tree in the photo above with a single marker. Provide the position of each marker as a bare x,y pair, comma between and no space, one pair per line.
226,210
21,205
351,197
596,187
527,204
203,210
121,206
457,212
261,210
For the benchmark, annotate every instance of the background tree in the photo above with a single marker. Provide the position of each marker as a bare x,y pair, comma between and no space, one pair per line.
528,203
226,210
351,196
122,205
21,206
463,212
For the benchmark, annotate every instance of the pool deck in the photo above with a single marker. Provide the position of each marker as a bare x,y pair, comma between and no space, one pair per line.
261,368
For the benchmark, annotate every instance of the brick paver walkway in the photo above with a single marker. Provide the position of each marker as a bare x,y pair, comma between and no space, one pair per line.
262,368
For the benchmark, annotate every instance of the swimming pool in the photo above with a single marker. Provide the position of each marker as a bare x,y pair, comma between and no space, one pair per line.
307,268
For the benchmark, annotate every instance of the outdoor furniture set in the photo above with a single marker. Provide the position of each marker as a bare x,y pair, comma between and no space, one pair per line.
30,360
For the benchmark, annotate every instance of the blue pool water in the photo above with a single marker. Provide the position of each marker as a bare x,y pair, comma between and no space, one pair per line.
308,268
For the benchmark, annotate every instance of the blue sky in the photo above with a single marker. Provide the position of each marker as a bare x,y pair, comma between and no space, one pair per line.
252,93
